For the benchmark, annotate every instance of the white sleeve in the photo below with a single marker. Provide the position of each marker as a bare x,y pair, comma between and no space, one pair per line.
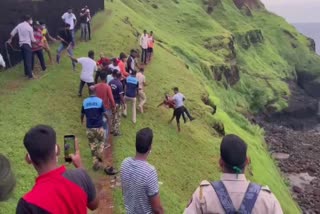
14,31
63,16
80,60
74,17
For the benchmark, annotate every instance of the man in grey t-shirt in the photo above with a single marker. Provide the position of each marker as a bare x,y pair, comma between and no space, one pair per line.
140,180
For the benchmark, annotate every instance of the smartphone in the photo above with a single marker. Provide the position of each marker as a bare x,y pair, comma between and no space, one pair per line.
69,147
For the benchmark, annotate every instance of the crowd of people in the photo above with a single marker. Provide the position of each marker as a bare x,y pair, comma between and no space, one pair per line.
114,83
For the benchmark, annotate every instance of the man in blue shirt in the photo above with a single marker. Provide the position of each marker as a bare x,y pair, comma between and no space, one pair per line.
94,110
117,92
131,91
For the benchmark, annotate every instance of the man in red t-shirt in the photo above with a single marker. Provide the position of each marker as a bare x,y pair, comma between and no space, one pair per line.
37,47
104,92
56,190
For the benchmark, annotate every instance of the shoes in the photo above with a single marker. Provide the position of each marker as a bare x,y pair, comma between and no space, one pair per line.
97,166
110,171
79,95
117,134
192,118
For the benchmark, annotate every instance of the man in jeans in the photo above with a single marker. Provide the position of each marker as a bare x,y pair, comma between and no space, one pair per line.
69,18
144,40
104,92
117,92
66,43
89,66
57,189
25,33
84,25
139,179
131,91
94,110
37,47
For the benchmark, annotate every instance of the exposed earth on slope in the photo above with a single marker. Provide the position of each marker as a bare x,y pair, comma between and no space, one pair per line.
293,138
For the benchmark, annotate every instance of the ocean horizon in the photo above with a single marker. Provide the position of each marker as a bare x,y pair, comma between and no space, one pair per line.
311,30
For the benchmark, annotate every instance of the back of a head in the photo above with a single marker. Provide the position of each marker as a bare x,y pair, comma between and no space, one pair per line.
103,76
27,18
144,139
91,54
133,73
233,151
176,89
40,142
122,56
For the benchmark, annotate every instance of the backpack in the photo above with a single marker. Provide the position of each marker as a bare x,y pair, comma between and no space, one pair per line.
247,204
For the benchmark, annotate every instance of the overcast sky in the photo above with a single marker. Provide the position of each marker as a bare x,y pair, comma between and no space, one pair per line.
295,10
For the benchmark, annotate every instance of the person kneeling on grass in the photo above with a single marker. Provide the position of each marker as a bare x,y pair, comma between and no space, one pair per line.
94,110
57,190
89,66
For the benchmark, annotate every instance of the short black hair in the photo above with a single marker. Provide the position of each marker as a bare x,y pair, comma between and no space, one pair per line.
133,51
103,75
27,18
122,56
40,142
176,89
144,139
133,72
233,151
91,54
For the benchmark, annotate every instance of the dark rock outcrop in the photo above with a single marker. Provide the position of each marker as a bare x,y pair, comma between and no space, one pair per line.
211,5
231,73
312,45
309,82
248,38
221,42
252,4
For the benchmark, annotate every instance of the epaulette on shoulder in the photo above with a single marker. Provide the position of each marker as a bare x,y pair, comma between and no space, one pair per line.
204,183
266,189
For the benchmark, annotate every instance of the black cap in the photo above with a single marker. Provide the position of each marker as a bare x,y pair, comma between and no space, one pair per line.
233,151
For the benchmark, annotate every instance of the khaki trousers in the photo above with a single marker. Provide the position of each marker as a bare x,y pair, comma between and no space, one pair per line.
133,100
142,99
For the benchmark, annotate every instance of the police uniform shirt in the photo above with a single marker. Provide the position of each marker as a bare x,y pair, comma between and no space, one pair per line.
206,201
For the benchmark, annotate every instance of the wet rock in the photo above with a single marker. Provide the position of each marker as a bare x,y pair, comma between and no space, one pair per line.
280,156
296,189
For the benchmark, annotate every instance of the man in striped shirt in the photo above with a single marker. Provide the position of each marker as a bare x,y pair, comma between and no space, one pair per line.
140,180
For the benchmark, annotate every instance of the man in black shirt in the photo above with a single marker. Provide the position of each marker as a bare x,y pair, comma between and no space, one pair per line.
84,24
66,43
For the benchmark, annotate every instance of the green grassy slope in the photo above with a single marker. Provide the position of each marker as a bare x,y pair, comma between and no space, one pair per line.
183,159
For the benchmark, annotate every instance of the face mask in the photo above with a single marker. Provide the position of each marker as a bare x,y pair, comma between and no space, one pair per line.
43,26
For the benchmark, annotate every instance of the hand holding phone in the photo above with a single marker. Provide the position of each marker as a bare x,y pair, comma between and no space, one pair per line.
76,158
69,147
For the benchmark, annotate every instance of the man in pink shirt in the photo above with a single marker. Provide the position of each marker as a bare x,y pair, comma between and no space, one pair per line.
104,92
141,95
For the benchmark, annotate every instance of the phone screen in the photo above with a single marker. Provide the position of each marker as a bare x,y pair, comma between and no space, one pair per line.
69,147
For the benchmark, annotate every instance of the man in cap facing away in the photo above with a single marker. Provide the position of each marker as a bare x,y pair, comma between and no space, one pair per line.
233,194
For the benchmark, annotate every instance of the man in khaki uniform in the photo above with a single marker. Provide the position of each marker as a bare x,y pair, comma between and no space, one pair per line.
233,194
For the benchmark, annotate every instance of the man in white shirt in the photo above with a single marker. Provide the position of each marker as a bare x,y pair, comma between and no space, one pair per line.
144,40
25,33
89,66
69,18
114,65
2,62
179,107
